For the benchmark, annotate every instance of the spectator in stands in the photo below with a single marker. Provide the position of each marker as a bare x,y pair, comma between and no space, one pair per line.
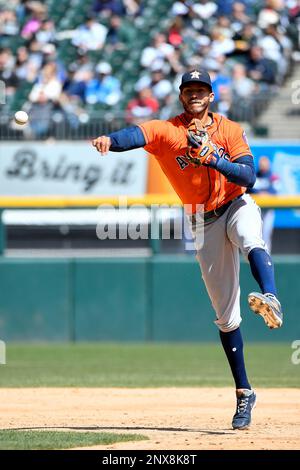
71,111
268,14
24,67
144,106
239,17
201,16
220,44
266,183
106,8
242,86
34,23
244,90
204,9
80,72
294,10
133,7
176,62
224,26
245,39
13,4
35,6
47,32
260,69
40,111
168,107
7,58
175,34
277,47
36,56
90,36
75,84
159,51
221,81
103,88
180,8
157,82
50,56
20,8
82,68
47,84
7,73
225,102
209,33
293,28
119,35
8,23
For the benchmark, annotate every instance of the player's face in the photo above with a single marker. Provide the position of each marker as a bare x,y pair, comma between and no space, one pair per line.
195,98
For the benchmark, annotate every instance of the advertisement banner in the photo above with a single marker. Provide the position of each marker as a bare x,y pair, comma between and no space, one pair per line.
70,168
285,164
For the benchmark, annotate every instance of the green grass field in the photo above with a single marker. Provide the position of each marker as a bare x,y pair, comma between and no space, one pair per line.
49,440
143,365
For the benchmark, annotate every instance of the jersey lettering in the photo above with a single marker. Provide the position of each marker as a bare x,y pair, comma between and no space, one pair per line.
167,141
223,154
182,163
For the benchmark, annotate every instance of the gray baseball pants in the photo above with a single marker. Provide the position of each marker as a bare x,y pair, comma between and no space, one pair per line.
239,228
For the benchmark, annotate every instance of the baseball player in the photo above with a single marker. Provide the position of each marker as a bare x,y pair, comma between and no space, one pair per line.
207,159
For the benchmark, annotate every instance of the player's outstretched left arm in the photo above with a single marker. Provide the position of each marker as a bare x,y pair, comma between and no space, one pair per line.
120,141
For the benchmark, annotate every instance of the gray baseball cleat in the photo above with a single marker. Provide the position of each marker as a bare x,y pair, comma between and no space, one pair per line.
246,400
268,306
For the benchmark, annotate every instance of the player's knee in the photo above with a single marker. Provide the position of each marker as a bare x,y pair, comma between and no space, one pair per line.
230,325
263,248
248,246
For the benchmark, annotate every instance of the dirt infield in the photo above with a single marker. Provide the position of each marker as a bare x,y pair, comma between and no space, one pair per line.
172,418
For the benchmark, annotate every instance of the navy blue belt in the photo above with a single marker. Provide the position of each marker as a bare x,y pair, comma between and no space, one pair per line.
216,213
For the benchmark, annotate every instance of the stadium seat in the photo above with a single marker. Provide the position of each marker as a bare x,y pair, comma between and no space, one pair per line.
21,95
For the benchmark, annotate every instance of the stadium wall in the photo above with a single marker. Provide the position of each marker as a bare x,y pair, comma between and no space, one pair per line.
147,299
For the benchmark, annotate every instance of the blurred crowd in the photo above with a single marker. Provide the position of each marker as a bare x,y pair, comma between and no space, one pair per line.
247,46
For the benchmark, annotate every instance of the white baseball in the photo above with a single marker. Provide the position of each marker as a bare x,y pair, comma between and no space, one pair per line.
21,117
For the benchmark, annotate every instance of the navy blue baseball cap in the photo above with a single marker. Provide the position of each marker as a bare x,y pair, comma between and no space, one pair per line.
195,76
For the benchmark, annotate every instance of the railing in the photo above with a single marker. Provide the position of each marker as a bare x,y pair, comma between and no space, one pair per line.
93,123
150,201
61,127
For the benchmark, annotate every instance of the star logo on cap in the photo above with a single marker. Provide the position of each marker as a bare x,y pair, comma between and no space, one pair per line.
195,74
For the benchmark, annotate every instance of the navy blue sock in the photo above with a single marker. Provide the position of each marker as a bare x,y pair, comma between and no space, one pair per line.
262,270
233,346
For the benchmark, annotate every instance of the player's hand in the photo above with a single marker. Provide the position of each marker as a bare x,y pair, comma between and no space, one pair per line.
201,151
102,144
206,155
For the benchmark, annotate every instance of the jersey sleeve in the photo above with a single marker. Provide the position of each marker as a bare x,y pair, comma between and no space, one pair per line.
238,145
156,134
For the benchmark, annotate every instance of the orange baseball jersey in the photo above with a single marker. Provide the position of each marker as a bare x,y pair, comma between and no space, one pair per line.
167,141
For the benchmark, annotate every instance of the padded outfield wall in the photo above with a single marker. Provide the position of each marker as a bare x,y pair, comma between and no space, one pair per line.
162,298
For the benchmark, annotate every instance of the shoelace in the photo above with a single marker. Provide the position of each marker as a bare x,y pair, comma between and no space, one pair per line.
242,404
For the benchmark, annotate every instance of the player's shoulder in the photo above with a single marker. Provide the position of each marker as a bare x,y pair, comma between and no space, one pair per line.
165,130
226,125
178,121
172,124
157,125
